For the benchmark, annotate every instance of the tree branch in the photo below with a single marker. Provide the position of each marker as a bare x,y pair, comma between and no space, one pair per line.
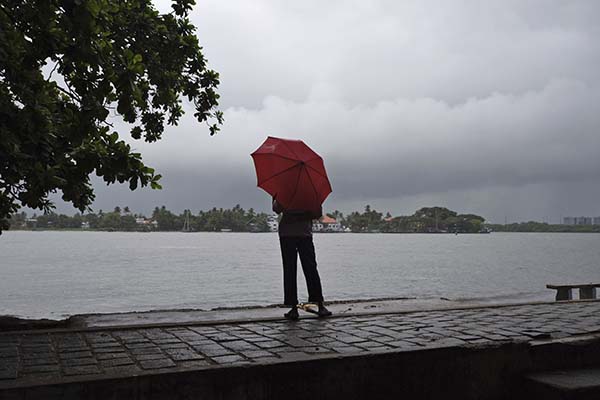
70,93
51,72
107,124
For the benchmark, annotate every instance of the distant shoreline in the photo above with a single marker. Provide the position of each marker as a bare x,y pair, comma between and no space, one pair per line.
387,233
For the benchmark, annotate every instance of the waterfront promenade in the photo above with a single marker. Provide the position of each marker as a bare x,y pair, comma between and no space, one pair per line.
33,361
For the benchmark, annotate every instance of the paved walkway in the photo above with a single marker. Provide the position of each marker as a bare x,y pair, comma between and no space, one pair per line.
49,357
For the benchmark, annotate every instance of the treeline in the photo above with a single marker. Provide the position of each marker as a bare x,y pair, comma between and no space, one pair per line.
533,226
236,219
424,220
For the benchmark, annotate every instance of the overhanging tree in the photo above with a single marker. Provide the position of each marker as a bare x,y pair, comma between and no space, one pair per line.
65,67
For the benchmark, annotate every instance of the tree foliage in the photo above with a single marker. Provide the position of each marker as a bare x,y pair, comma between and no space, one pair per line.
65,66
436,219
424,220
236,219
534,226
369,221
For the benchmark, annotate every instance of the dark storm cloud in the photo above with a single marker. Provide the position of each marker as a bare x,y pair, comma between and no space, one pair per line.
449,102
384,50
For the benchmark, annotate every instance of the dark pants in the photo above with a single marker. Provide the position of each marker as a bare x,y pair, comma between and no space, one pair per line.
290,248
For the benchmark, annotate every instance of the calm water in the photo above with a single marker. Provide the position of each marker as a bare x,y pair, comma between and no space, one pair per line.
62,273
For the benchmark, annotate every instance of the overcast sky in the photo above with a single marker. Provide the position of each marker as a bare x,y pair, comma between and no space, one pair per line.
487,107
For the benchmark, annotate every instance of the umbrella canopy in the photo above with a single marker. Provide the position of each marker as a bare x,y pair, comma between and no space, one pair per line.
292,173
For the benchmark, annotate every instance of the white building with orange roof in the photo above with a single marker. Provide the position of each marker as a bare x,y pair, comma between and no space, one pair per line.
273,222
327,224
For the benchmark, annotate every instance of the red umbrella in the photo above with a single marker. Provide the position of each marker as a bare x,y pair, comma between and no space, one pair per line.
291,172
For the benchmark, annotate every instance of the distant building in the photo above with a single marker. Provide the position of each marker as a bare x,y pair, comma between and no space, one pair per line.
143,221
331,224
327,224
583,221
273,222
31,222
148,223
317,226
568,221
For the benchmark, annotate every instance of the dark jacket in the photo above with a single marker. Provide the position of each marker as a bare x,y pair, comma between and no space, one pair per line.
295,223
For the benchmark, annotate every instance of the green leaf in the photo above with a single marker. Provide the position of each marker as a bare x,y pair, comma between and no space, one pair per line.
155,186
107,52
136,132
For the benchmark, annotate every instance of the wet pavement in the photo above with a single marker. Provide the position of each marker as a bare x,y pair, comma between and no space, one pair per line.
43,357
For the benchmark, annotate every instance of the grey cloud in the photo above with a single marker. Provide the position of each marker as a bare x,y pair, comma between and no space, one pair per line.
492,105
382,50
397,150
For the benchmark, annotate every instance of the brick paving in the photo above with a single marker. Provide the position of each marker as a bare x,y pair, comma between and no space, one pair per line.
48,357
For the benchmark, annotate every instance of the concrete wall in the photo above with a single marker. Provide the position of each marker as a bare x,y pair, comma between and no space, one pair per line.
444,373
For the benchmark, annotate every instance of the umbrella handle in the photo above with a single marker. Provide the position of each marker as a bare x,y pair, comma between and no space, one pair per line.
277,207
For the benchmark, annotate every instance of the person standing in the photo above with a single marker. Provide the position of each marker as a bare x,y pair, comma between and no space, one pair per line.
295,238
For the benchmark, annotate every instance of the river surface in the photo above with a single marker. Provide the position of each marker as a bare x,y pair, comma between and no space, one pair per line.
55,274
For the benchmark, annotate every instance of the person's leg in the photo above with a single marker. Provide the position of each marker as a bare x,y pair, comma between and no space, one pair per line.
289,256
306,249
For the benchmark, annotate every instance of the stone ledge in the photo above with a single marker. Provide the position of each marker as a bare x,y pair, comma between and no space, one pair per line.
267,319
438,343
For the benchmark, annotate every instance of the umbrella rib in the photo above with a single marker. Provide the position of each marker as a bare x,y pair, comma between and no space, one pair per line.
314,187
274,155
277,174
290,149
317,171
314,158
296,186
